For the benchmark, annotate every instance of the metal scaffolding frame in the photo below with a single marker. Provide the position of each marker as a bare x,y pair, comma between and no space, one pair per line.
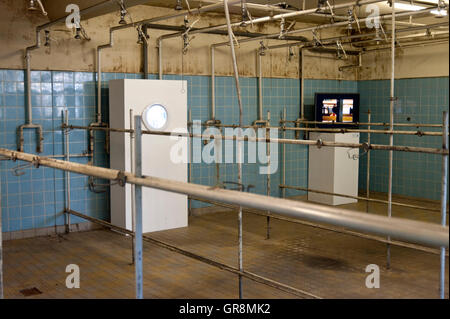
388,241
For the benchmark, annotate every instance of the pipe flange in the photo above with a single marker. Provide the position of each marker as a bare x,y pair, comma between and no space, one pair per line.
420,133
319,143
366,147
36,162
121,178
13,156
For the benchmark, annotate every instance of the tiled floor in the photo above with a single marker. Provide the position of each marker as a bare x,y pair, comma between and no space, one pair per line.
325,263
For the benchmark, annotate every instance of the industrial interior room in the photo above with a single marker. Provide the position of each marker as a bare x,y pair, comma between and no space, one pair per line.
224,149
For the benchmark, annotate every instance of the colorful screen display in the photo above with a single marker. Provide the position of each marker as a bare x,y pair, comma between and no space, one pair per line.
330,110
347,110
337,109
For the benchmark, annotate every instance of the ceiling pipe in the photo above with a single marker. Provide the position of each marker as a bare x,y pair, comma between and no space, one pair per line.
286,16
32,6
333,25
363,50
272,18
145,50
357,36
413,45
400,44
274,9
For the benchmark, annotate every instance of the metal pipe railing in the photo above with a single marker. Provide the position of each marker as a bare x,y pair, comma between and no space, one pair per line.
330,228
346,130
412,231
368,199
369,124
320,143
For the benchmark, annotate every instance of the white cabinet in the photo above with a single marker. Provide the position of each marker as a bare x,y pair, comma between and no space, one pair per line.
164,103
333,169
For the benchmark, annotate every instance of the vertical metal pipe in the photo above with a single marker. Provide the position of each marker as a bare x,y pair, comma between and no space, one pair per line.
29,111
132,186
190,159
160,52
391,126
213,83
302,83
99,87
1,248
283,159
268,173
444,186
239,142
138,217
67,174
260,85
145,51
369,117
217,145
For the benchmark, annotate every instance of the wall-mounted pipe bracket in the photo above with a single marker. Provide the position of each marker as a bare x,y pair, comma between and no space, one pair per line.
212,122
121,179
262,123
319,143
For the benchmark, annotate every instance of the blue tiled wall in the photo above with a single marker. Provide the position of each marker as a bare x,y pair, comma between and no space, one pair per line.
419,101
36,198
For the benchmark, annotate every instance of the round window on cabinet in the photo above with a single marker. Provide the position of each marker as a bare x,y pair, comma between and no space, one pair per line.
155,117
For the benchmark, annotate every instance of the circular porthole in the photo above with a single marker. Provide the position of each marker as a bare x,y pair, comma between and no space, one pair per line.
155,117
